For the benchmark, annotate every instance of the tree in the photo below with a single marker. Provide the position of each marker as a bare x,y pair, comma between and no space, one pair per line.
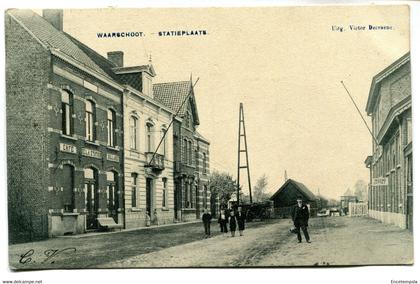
360,190
260,189
222,185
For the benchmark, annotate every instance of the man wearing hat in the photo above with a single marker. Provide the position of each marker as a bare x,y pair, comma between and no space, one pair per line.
300,217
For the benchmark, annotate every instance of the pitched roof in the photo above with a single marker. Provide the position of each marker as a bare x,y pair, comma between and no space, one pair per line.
377,79
173,94
52,38
300,186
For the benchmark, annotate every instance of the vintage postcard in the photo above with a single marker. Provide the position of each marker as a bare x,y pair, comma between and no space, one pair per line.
209,137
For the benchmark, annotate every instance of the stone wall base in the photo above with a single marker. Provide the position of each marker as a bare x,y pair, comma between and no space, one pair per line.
397,219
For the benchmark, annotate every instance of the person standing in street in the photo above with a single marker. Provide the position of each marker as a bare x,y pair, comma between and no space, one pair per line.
232,223
240,218
223,219
206,221
300,217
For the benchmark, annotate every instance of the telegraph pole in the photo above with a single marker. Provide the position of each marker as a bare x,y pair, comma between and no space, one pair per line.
242,133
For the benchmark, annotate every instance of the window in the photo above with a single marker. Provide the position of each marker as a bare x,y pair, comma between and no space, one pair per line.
134,178
133,133
149,137
409,131
67,112
68,184
204,162
111,193
164,145
90,120
164,192
111,128
147,85
185,158
189,153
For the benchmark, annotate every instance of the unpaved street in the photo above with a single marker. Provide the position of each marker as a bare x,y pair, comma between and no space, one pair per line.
335,241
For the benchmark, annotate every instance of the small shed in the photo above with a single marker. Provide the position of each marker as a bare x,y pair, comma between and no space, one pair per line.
285,198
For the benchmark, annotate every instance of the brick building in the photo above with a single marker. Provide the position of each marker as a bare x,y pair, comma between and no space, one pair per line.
64,132
83,134
191,151
391,164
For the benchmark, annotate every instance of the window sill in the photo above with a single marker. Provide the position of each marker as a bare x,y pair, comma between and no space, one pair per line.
94,143
68,137
70,214
133,209
165,209
116,148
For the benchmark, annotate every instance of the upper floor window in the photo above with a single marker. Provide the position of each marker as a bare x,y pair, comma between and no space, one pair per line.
204,162
149,137
409,131
67,112
133,133
185,156
147,85
111,128
190,153
164,142
90,120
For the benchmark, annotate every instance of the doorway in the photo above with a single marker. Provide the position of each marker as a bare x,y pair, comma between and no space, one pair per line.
149,193
112,195
91,198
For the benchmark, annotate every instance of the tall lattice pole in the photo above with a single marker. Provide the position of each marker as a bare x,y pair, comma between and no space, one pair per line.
242,133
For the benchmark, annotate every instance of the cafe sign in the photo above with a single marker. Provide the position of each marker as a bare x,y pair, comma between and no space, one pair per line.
68,148
91,153
379,181
112,157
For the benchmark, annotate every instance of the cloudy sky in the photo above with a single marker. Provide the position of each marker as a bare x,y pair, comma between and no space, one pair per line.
284,64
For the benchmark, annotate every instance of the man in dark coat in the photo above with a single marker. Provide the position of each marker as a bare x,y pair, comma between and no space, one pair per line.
240,218
206,221
300,217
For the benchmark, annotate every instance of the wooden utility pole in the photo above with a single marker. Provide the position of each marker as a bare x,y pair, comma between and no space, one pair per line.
242,133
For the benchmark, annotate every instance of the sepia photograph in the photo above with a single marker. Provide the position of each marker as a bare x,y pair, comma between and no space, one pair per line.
229,137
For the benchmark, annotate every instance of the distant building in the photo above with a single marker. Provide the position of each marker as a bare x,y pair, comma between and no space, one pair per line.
285,198
391,162
345,200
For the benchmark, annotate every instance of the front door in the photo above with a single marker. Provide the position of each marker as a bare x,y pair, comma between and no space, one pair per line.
112,196
409,192
149,188
176,200
91,204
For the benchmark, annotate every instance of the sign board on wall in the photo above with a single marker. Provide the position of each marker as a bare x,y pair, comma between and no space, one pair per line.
379,181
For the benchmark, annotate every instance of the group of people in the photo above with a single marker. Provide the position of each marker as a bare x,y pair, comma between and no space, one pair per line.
235,218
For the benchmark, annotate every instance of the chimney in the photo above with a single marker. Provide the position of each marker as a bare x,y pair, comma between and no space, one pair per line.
54,17
116,57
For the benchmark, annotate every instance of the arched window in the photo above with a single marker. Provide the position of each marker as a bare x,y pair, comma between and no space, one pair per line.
111,127
90,120
68,185
133,133
205,196
67,112
149,137
134,183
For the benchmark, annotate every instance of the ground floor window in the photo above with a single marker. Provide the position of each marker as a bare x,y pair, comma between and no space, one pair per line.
68,188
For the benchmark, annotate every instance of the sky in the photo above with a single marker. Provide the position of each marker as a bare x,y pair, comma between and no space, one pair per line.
284,64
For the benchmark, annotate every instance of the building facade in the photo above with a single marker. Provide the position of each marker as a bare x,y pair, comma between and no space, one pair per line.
64,132
391,164
191,151
90,139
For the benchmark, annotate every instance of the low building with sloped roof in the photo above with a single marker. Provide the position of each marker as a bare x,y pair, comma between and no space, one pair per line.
285,198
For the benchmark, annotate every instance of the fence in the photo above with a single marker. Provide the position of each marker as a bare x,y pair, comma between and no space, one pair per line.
358,209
